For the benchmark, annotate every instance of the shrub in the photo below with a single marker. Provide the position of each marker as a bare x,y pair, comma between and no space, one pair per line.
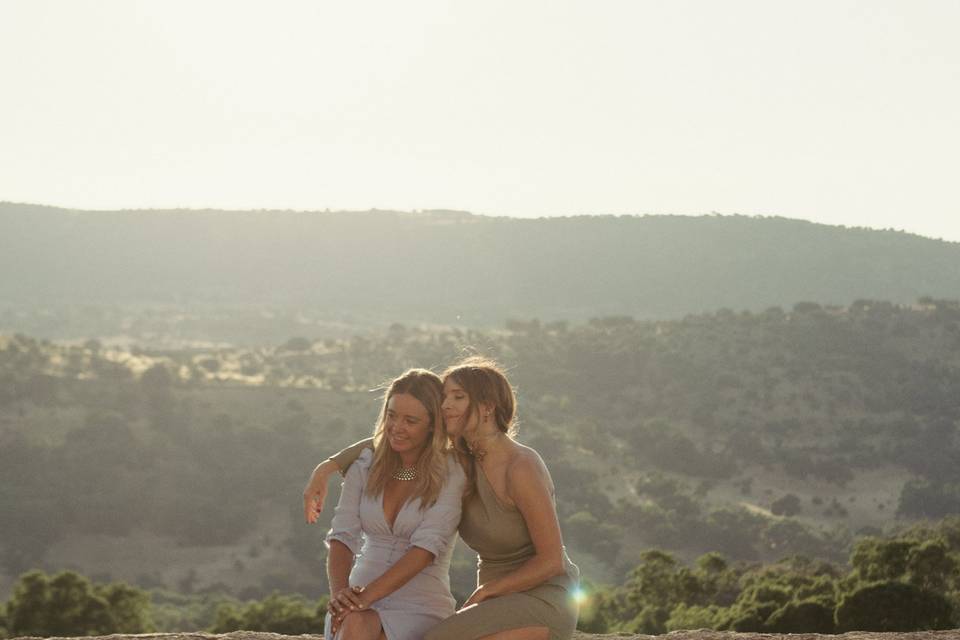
893,606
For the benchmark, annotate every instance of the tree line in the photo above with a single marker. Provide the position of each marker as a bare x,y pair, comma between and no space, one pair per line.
909,582
904,583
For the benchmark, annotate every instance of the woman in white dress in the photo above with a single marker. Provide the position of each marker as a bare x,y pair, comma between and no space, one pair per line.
392,533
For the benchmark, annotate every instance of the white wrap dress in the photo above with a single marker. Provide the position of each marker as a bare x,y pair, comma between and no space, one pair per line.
360,524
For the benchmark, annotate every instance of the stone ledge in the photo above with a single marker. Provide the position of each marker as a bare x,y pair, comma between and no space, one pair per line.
702,634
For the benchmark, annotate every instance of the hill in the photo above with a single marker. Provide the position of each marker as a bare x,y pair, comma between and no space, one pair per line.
756,435
441,267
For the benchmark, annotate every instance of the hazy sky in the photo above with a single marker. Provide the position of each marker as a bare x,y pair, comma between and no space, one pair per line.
834,111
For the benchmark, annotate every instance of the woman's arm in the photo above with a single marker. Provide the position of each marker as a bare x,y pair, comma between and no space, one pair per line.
339,563
344,541
315,492
529,486
410,564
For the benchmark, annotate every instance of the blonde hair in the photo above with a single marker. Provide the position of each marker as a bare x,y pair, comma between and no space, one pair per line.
485,382
427,388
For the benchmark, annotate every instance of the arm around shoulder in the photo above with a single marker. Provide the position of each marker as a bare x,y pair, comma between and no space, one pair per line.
346,457
315,493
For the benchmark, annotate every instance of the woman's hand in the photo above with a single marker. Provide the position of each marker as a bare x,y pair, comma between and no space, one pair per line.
479,595
316,490
344,602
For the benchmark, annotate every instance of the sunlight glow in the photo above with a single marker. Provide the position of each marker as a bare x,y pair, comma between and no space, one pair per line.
579,595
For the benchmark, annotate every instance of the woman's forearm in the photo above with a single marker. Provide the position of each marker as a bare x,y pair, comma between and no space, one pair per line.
339,563
323,471
315,493
535,571
412,563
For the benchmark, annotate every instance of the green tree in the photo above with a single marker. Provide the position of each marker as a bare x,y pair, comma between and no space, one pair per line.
694,617
129,607
807,616
931,566
69,605
644,602
788,505
289,615
893,606
875,559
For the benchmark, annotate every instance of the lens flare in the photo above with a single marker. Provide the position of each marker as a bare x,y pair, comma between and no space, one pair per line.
579,595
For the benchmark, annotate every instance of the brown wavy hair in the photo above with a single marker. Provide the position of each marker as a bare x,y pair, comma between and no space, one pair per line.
427,387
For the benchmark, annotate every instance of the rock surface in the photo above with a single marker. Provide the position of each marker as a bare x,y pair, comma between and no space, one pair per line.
674,635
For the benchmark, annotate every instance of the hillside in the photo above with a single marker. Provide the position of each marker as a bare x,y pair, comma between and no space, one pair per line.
756,435
66,272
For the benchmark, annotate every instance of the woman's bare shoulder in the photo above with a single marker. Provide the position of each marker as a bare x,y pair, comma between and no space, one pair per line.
526,465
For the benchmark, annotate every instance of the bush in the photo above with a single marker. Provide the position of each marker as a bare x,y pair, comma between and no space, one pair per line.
694,617
808,616
289,615
922,499
69,605
893,606
788,505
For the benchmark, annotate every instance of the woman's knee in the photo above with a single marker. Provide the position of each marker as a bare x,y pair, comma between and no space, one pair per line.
362,625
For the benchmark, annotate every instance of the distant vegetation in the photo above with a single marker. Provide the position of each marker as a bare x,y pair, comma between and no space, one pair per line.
252,277
905,583
910,582
724,455
739,433
69,604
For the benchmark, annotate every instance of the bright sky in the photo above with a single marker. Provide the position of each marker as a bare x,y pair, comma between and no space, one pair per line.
837,111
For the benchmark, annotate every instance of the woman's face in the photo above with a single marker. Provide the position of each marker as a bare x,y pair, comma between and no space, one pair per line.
407,425
456,404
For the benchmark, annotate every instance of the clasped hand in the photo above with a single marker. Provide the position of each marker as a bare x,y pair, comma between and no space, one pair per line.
344,602
479,595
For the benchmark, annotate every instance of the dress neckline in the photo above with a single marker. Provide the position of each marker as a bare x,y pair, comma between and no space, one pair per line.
383,510
500,503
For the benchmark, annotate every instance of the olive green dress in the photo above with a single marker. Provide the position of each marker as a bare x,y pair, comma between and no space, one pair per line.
499,534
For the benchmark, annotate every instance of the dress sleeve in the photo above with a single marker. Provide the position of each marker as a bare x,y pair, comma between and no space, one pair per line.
345,526
440,521
346,457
